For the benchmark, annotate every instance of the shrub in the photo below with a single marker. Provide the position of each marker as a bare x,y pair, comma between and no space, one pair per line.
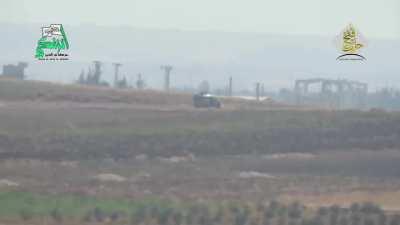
99,215
56,215
26,214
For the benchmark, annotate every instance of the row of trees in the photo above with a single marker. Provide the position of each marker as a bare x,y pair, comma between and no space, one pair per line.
94,78
273,213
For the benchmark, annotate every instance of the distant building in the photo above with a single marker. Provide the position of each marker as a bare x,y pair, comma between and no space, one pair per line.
15,71
340,94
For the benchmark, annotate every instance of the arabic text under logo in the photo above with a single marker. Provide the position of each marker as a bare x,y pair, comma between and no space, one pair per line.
52,43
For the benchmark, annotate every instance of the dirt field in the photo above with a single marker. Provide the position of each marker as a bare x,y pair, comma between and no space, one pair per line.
103,143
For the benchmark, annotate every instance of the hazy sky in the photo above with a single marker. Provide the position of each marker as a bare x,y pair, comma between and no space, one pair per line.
374,18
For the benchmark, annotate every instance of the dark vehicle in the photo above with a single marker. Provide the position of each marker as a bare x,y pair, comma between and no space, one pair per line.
204,100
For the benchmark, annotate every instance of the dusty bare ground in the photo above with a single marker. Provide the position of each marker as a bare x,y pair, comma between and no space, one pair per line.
38,92
193,178
89,141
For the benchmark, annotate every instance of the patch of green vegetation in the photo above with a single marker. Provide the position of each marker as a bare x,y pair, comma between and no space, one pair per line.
26,204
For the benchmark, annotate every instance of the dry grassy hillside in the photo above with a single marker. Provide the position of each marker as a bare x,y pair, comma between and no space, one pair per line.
57,141
16,90
45,120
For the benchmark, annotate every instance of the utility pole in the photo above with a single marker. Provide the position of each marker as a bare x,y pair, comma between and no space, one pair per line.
262,90
139,82
97,72
116,78
167,71
258,91
230,86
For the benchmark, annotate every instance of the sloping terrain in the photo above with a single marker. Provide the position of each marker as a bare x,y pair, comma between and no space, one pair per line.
70,142
44,120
